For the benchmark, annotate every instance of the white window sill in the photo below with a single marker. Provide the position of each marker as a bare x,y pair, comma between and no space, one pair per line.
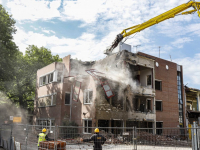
87,103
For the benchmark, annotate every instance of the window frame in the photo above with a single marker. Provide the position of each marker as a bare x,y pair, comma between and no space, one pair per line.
160,84
74,94
51,120
52,96
161,105
88,119
87,92
48,77
69,98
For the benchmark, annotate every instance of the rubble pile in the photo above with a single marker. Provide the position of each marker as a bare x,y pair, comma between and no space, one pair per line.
172,140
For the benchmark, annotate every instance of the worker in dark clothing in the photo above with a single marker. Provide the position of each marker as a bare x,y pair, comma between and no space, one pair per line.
43,137
98,139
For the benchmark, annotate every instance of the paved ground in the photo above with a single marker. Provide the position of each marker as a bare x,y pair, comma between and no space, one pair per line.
125,147
112,147
161,148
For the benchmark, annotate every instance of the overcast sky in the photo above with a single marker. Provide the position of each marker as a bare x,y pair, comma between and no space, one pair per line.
84,28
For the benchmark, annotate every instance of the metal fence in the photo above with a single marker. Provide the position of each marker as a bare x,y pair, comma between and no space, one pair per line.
166,138
117,138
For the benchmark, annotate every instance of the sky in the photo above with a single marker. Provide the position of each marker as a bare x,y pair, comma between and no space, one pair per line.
85,28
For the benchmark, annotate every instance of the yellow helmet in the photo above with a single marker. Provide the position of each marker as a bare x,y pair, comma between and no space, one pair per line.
44,130
96,130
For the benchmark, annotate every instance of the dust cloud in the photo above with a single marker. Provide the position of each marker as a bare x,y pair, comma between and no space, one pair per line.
7,109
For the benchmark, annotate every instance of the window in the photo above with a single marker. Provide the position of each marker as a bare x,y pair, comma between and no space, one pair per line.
157,64
88,95
44,80
67,98
49,100
158,85
148,79
76,90
51,77
87,126
180,99
159,105
159,126
45,123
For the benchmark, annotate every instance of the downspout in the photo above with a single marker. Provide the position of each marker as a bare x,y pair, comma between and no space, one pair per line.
186,120
71,104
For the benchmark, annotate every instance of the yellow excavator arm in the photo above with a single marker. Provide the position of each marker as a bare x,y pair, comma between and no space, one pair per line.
167,15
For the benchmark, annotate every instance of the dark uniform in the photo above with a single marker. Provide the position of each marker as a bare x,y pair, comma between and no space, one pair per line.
98,141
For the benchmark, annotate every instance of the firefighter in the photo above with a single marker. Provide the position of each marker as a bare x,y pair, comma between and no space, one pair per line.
97,139
43,136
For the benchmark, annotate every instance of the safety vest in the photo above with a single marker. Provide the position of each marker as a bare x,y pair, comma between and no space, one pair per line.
41,138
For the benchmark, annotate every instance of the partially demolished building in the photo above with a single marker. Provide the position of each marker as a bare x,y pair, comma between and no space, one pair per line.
122,90
193,106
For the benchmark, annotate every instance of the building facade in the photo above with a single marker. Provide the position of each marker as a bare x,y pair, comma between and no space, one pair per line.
122,90
170,104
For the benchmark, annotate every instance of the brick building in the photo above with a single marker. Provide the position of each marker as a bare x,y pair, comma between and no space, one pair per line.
170,104
122,90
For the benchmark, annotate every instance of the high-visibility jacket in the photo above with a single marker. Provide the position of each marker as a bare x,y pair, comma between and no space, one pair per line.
41,138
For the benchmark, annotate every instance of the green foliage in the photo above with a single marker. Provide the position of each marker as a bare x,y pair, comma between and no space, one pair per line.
8,49
18,72
40,56
21,90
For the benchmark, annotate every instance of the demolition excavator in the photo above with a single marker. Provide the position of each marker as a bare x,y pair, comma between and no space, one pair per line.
162,17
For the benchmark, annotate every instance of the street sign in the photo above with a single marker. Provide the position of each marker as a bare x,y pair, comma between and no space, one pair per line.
11,117
17,119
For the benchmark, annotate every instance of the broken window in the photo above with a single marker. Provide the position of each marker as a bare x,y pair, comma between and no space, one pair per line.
49,100
104,83
88,95
107,89
148,79
158,85
87,126
76,90
67,98
159,105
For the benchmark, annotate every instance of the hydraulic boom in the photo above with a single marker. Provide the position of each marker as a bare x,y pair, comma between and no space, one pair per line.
167,15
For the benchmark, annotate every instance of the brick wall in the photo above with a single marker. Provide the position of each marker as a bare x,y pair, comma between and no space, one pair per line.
169,93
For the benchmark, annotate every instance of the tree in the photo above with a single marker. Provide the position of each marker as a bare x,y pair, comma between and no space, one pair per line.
22,89
8,48
40,57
